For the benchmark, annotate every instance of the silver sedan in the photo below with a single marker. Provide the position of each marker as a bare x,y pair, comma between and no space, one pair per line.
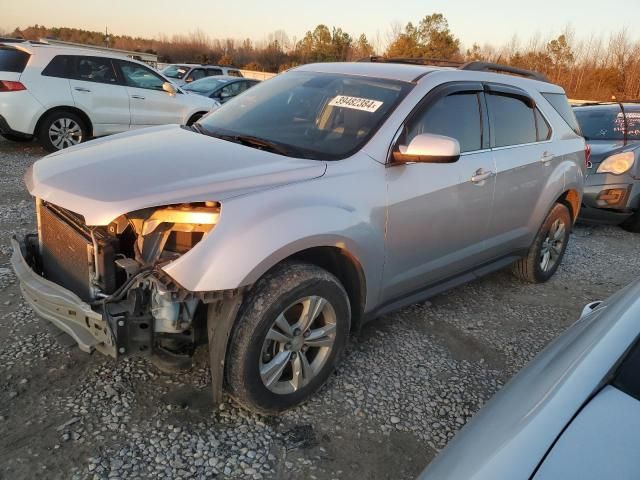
572,413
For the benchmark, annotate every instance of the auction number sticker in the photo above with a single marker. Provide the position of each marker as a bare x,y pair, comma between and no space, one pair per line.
356,103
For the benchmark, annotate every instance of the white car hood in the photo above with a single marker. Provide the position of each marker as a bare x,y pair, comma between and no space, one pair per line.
103,179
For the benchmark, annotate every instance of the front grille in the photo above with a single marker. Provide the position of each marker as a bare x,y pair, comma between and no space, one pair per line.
67,252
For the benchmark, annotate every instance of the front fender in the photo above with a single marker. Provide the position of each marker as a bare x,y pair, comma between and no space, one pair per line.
258,231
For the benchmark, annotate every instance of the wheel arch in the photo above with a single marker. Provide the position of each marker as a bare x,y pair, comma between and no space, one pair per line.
64,108
571,199
346,268
194,117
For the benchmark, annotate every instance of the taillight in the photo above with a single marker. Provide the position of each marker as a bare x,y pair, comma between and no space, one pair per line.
9,86
587,155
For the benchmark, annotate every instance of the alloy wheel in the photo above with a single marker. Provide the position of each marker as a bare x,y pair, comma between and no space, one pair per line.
552,245
298,345
65,132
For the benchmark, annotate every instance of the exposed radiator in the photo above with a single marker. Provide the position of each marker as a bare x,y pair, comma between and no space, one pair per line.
67,252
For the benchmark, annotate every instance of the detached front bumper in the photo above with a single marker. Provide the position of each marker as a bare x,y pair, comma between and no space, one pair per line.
62,307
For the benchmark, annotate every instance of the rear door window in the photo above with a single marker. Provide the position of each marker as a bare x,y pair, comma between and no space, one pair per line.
96,69
456,116
212,72
512,120
13,60
234,73
60,66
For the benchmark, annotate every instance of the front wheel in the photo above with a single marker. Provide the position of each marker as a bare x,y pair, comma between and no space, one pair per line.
290,335
546,252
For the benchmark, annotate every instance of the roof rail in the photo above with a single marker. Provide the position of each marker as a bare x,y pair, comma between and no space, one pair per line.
19,40
496,67
412,61
609,102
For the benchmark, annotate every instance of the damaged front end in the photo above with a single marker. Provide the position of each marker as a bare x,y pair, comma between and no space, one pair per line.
104,285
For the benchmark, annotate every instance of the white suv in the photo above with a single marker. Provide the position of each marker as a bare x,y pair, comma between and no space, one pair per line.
63,96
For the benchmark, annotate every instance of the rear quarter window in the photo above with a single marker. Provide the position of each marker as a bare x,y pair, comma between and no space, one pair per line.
13,60
60,66
234,73
561,105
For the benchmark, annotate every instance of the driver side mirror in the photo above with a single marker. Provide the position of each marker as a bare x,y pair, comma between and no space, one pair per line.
169,88
428,148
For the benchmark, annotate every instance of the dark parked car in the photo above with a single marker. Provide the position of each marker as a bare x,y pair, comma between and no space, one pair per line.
612,185
221,88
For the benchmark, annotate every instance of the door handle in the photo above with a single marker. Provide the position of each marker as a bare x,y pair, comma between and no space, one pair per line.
81,89
481,175
547,157
139,97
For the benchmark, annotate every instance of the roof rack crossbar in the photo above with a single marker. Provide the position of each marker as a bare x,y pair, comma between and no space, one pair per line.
496,67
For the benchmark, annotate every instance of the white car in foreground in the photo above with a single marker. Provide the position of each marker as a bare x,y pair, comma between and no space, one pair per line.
572,413
63,96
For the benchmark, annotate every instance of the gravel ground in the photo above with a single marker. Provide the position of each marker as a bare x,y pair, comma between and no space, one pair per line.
409,381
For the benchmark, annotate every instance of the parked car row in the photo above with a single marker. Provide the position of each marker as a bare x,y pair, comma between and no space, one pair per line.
63,96
221,88
183,73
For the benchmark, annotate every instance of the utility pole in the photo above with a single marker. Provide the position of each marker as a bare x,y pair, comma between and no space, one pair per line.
106,37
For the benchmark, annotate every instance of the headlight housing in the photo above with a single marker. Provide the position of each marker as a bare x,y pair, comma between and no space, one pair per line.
617,164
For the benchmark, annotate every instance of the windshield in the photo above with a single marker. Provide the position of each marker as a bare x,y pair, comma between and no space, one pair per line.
316,115
608,123
205,85
175,71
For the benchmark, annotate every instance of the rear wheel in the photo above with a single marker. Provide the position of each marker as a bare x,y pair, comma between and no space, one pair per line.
632,224
290,334
547,250
17,138
62,129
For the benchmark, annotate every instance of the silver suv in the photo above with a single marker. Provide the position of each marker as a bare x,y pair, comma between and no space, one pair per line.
276,225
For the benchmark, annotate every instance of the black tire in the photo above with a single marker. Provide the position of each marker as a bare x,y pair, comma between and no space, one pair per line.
632,224
195,117
17,138
57,116
272,295
530,268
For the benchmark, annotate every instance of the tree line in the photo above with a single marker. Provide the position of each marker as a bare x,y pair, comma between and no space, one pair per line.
592,68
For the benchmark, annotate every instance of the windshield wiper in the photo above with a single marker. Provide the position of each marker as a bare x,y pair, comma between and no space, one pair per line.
260,143
196,127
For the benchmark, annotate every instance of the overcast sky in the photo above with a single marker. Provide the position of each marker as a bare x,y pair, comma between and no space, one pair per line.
486,21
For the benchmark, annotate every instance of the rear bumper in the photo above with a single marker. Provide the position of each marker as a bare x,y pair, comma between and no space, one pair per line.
20,112
62,307
7,130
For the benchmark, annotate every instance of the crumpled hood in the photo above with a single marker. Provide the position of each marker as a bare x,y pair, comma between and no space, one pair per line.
105,178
